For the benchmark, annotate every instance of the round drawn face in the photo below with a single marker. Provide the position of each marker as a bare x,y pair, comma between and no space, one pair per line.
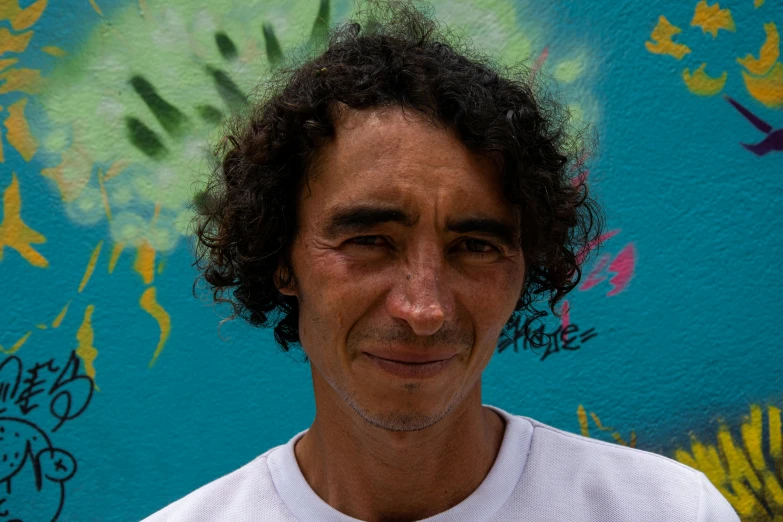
32,473
407,266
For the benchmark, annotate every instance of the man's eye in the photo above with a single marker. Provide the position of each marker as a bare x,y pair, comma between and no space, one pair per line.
474,247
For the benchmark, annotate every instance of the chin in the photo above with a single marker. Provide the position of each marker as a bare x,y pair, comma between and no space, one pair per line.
404,418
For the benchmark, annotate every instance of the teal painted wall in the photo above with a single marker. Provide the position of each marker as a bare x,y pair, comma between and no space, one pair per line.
128,397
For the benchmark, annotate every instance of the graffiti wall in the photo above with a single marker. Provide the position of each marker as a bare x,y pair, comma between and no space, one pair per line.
119,393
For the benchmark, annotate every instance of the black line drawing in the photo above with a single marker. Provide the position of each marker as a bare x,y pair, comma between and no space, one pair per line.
33,471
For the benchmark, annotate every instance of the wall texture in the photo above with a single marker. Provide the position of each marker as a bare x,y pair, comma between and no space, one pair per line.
115,382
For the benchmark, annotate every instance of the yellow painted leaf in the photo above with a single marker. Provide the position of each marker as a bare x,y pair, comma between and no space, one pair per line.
7,62
90,266
739,467
758,3
8,9
767,89
768,55
150,305
702,84
751,437
712,18
59,319
18,344
18,135
14,233
15,43
775,449
22,80
54,51
581,414
115,255
28,16
85,336
662,40
145,262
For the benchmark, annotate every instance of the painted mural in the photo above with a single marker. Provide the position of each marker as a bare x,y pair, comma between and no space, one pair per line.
120,394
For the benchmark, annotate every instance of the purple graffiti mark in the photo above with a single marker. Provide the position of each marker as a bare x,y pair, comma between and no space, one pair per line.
623,266
774,140
564,337
33,471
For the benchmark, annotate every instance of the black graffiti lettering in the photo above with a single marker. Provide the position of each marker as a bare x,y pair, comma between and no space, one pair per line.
10,376
587,335
568,339
34,386
71,393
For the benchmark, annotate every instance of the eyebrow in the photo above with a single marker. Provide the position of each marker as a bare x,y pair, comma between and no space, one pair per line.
356,219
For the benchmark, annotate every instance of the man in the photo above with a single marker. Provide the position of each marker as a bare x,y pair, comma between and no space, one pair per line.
394,206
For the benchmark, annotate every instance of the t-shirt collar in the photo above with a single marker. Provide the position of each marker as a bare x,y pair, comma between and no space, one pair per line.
488,498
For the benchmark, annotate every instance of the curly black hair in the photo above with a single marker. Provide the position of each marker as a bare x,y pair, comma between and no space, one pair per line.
391,54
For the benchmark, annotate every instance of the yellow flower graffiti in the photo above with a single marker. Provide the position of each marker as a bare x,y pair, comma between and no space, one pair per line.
702,84
662,40
768,55
763,76
711,18
740,470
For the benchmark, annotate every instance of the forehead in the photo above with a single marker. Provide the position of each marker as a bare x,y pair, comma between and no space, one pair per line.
390,154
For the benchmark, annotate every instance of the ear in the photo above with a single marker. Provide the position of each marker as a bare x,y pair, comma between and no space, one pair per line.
280,273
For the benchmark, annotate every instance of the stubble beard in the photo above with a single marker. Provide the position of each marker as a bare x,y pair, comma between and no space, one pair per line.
399,420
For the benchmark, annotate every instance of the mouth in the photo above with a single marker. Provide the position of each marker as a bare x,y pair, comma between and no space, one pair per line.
410,370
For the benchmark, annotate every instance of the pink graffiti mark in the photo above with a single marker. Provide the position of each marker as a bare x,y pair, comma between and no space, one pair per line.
594,277
565,315
539,63
590,246
623,266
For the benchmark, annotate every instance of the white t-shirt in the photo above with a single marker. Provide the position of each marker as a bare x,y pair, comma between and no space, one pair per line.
541,474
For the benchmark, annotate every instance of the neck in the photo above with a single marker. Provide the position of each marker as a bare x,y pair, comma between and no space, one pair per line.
378,475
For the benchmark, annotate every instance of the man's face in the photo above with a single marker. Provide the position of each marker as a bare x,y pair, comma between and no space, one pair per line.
407,266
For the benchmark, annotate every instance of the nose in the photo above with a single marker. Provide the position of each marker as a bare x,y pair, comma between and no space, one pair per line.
421,296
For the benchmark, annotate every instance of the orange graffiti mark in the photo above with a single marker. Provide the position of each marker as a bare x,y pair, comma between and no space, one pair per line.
90,266
72,174
151,306
702,84
15,348
22,80
712,18
758,3
14,233
115,255
767,89
662,40
104,196
54,51
59,319
13,43
116,168
145,262
85,335
95,6
768,55
19,135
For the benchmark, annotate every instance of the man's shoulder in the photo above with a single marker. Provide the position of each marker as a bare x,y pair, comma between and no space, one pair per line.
618,482
242,495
